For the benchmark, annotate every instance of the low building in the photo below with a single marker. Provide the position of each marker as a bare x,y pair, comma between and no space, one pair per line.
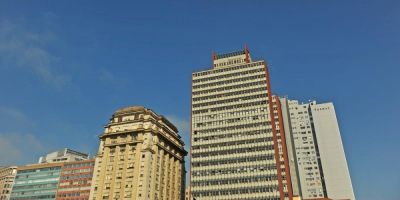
63,155
75,180
37,181
7,177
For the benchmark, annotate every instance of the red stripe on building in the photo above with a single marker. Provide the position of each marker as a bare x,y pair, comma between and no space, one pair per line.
284,150
274,135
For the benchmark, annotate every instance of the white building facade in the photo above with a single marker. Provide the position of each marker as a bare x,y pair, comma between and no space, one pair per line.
319,164
63,155
238,148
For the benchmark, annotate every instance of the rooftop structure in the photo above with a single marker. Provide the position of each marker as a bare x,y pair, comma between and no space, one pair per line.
63,155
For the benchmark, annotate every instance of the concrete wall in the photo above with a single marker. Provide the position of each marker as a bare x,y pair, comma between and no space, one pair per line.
334,164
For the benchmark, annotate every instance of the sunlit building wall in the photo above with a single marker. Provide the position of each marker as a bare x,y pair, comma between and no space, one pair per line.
75,180
318,153
141,157
37,181
7,178
238,148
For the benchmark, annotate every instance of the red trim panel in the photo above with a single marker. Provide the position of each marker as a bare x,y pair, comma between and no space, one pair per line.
271,110
284,150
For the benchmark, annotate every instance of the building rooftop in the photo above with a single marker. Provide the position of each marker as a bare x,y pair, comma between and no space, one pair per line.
231,54
141,109
130,109
40,165
63,155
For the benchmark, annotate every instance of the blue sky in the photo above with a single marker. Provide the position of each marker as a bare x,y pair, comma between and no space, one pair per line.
65,68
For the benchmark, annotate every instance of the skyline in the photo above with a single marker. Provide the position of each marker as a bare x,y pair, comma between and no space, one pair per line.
64,70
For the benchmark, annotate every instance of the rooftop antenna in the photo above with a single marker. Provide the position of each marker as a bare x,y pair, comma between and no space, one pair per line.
246,51
214,57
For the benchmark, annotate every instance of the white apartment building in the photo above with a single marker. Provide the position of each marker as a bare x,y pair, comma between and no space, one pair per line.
318,162
63,155
237,151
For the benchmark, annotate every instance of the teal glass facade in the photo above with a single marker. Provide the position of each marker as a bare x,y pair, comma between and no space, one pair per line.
36,183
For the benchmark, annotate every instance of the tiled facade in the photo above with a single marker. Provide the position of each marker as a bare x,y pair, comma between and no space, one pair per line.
7,177
237,150
75,180
141,157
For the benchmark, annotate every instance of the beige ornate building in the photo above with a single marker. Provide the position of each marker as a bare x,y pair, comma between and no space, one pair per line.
7,178
141,157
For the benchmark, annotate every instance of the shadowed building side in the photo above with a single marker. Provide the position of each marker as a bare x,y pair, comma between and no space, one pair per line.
317,154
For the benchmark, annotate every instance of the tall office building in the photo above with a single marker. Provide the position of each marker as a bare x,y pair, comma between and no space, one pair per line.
316,151
37,181
7,178
141,157
75,180
238,147
63,155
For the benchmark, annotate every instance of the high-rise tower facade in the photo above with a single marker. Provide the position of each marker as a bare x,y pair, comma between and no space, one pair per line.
238,148
317,150
141,157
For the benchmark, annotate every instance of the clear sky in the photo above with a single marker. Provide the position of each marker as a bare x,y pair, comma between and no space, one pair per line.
66,67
